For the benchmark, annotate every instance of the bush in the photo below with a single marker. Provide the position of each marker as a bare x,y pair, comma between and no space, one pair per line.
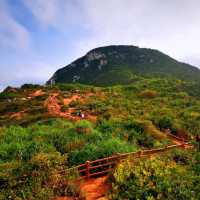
8,95
83,127
36,179
31,86
99,150
148,94
64,108
165,122
150,129
153,179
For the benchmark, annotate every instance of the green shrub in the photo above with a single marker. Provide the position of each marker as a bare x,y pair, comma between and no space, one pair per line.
153,179
64,108
165,123
36,179
31,86
148,94
99,150
8,95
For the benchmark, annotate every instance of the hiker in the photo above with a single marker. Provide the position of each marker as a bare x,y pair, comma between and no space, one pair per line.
78,113
82,115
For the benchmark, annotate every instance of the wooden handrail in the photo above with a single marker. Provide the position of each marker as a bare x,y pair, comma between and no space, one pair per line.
104,159
168,133
105,165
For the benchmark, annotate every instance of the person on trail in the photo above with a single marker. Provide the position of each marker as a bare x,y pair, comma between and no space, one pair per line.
82,115
78,113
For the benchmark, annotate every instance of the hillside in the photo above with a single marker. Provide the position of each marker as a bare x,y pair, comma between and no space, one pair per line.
113,65
146,99
45,130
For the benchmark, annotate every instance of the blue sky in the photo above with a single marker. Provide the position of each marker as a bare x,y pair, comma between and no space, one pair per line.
39,36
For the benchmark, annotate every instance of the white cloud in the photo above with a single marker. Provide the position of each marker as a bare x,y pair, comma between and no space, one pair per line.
27,72
170,26
45,11
36,70
12,34
55,13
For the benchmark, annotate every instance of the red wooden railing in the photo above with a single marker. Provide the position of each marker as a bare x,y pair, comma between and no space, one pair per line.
106,165
169,135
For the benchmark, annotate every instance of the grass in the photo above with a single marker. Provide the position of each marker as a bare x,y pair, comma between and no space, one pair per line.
129,118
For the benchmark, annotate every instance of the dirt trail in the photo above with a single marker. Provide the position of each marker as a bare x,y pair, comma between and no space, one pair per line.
92,189
52,105
18,115
178,141
65,198
67,101
54,108
95,188
37,93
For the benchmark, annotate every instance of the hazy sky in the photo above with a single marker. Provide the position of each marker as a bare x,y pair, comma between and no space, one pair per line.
39,36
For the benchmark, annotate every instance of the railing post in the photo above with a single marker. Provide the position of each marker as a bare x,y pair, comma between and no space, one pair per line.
87,169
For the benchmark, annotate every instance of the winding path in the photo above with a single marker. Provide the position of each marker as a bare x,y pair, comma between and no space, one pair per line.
96,188
54,108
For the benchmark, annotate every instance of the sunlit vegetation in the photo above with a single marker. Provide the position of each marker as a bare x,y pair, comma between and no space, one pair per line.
35,146
31,158
169,177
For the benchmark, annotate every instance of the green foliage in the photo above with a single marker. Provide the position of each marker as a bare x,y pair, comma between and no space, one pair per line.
99,150
36,179
126,121
153,179
8,95
31,157
64,108
148,94
166,102
31,86
165,122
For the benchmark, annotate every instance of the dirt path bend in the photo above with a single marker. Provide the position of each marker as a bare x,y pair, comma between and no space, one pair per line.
54,108
75,97
52,105
37,93
92,189
178,141
18,115
95,188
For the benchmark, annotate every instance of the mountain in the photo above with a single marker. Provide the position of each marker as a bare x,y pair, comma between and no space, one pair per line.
122,65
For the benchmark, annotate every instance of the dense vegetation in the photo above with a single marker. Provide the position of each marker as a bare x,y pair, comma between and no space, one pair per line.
33,156
113,65
35,146
164,103
175,176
